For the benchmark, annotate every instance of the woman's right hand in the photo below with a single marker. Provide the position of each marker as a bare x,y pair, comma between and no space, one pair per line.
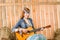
21,30
16,30
25,30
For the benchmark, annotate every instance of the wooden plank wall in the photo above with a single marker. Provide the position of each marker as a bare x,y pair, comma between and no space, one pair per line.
58,13
43,12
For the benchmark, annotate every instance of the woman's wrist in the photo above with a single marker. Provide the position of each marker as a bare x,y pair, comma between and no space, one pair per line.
16,30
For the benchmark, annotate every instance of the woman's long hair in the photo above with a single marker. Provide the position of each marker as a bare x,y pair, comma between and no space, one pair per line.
22,15
25,10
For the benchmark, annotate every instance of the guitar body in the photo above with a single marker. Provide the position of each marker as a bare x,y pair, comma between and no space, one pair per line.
25,35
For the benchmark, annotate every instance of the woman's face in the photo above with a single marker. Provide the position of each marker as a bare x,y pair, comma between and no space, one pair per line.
26,15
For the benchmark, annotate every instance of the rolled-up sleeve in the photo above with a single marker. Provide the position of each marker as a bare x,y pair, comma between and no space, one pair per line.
16,26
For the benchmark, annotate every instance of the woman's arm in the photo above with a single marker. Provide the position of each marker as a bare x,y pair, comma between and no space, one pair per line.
15,28
19,27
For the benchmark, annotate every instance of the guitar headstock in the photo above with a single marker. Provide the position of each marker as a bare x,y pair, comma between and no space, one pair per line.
48,26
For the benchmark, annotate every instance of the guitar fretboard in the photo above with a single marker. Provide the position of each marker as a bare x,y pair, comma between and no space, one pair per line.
36,30
39,29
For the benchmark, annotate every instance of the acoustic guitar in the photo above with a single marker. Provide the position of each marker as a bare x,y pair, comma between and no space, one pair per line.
30,32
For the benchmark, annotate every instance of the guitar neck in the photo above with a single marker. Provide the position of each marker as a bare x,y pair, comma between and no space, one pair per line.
36,29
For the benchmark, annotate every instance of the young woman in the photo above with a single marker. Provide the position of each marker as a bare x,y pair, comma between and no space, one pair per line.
24,22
